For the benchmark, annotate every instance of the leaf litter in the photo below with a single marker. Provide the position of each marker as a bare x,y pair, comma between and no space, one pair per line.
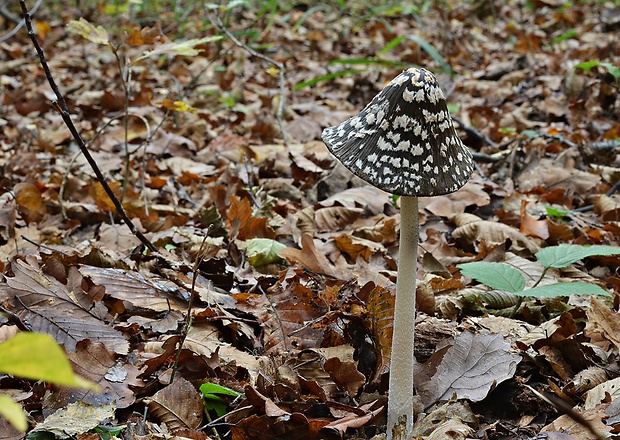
289,260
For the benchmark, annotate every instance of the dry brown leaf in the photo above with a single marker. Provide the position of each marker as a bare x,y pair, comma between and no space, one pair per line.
354,420
603,324
356,247
178,405
96,363
49,306
532,227
455,203
567,425
335,218
608,208
365,197
308,256
241,221
30,202
135,289
383,231
495,233
380,306
102,199
345,375
462,368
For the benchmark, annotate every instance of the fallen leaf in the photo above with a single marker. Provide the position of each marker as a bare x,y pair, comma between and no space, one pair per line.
463,368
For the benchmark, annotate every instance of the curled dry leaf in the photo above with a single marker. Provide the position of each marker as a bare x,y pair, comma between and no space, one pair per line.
242,223
608,207
603,325
586,380
308,256
493,232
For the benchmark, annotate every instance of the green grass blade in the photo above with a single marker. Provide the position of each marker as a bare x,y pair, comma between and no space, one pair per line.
429,49
366,61
307,14
327,77
391,45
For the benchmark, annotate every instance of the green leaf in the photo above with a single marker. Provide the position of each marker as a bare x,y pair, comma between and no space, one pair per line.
572,33
613,70
495,275
566,254
262,251
13,412
587,65
213,401
212,388
555,212
216,404
564,289
37,356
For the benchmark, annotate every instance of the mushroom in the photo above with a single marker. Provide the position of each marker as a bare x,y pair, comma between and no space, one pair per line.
404,142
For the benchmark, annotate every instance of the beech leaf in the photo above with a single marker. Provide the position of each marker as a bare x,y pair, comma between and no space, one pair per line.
495,275
566,254
564,289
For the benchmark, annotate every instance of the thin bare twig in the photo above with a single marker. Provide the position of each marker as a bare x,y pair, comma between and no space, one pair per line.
61,105
217,24
471,130
20,23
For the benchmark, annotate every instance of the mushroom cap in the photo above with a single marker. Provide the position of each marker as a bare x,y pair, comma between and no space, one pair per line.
404,142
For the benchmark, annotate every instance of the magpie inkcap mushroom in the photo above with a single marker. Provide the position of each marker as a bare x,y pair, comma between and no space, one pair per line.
403,141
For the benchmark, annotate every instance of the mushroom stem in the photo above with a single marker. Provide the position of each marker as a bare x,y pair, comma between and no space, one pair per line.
400,397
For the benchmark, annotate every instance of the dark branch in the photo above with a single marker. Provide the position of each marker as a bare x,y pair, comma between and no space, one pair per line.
66,117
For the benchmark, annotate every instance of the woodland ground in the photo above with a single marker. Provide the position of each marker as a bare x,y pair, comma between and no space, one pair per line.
215,152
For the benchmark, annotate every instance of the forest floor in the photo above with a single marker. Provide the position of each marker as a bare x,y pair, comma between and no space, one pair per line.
206,122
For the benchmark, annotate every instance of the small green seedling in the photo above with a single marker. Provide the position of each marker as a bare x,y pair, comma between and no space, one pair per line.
610,68
503,277
211,394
